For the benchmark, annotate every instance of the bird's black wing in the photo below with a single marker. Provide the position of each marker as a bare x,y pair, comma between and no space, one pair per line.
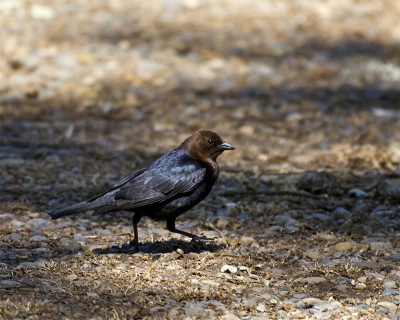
119,183
160,183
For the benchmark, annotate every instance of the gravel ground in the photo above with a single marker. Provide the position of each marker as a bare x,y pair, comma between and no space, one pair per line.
306,210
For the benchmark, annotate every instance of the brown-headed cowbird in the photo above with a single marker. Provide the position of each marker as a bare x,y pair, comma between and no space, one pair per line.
167,188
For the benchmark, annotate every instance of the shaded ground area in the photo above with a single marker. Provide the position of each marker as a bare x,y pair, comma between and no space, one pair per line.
90,92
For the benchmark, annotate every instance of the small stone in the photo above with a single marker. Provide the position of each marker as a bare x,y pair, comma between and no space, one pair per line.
229,316
180,252
311,280
309,302
340,287
395,257
390,284
313,255
317,182
327,306
375,275
261,307
321,217
380,245
7,216
16,238
360,286
228,269
362,306
281,219
390,292
10,283
193,256
38,223
38,238
194,310
389,188
356,193
292,228
249,303
341,213
388,305
247,240
282,314
173,313
71,277
17,223
344,246
73,246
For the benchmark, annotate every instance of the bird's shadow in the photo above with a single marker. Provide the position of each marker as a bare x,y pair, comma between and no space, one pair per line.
163,247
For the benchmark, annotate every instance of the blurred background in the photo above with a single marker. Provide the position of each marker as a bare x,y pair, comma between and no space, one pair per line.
294,85
91,90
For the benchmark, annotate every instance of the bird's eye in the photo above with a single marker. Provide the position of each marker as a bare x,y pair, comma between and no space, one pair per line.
210,142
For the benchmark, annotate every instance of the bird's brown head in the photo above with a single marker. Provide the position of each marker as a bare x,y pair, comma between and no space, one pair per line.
205,145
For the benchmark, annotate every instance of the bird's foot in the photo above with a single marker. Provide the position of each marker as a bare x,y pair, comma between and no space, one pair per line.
130,247
203,238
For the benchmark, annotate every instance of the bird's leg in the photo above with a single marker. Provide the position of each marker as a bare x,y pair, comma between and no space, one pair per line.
135,220
171,227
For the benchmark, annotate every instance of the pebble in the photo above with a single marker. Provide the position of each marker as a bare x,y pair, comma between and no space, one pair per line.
10,283
387,305
16,238
360,286
390,284
356,193
194,310
380,245
382,310
313,255
249,303
395,257
308,302
7,216
344,246
72,246
38,238
229,316
389,292
261,307
247,240
17,223
281,219
362,306
375,275
228,269
282,314
341,212
326,306
38,222
292,228
311,280
321,216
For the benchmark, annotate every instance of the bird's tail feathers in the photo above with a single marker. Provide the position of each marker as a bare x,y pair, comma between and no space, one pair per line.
76,208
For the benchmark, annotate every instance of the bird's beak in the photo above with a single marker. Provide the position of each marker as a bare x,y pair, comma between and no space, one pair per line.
226,146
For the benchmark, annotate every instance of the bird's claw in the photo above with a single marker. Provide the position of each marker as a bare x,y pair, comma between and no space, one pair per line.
203,238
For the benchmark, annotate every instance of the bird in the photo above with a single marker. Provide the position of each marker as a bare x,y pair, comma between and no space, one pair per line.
167,188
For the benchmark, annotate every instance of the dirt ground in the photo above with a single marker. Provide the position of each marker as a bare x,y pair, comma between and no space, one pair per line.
306,210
